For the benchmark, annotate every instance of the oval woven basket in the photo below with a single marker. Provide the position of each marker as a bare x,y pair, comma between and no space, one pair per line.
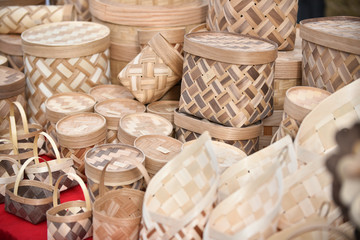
164,109
9,168
110,91
10,46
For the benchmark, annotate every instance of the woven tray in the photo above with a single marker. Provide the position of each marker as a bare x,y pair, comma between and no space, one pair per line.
9,168
10,46
81,8
273,20
108,91
331,52
164,109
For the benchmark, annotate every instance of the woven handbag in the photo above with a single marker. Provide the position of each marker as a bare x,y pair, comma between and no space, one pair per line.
70,220
182,194
29,199
9,168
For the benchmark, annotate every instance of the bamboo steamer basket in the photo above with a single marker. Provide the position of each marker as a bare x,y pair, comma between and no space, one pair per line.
21,2
331,52
158,150
228,78
10,46
77,134
81,8
135,125
270,126
181,196
273,20
110,91
113,110
9,168
124,170
17,19
71,60
164,109
189,128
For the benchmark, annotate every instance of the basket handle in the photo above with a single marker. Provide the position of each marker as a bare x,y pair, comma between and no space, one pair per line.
53,144
82,185
10,178
21,173
12,127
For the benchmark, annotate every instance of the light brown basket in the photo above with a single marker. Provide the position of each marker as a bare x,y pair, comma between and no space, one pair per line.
81,8
110,91
135,125
113,110
228,78
158,150
189,128
331,52
164,109
270,126
71,60
10,46
17,19
182,194
9,168
273,20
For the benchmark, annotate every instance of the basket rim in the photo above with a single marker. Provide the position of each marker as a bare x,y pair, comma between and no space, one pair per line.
149,107
52,216
9,45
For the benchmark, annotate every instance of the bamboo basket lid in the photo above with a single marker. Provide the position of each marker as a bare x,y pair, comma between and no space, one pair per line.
110,91
341,33
66,39
81,130
12,82
163,108
121,171
230,47
114,109
62,104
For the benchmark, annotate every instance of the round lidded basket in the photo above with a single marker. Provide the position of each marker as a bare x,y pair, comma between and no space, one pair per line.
113,110
331,52
158,150
64,57
10,46
110,91
122,173
135,125
234,77
164,109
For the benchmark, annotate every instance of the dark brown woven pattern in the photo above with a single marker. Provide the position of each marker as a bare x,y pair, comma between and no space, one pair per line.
232,95
288,126
7,170
274,20
64,184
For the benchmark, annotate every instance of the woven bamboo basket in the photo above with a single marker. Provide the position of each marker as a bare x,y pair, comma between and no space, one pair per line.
153,71
270,126
189,128
113,110
180,197
77,134
10,46
17,19
81,8
331,52
124,171
228,78
9,168
29,199
70,220
110,91
158,150
21,2
164,109
135,125
71,60
273,20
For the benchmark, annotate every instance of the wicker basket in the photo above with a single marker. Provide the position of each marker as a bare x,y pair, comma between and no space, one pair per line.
331,52
182,194
10,46
164,109
228,78
158,150
189,128
9,168
113,110
77,134
135,125
270,126
124,172
73,59
273,20
109,91
81,8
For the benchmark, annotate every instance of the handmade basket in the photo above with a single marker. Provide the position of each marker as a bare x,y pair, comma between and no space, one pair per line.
180,197
135,125
9,168
158,150
70,220
189,128
110,91
270,126
81,8
227,78
10,46
124,172
273,20
331,52
17,19
113,110
77,134
164,109
29,199
71,60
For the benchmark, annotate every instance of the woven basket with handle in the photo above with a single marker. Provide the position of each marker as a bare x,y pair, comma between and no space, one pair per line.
10,47
110,91
9,168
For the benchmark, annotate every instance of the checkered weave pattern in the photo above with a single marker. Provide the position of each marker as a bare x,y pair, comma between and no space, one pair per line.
81,7
5,109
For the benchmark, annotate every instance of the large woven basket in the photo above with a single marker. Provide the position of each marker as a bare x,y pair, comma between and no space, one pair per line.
73,59
270,19
163,108
113,110
228,78
331,52
189,128
81,8
110,91
10,46
9,168
180,197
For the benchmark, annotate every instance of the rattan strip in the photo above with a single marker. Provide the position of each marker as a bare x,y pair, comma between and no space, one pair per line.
110,91
5,110
81,8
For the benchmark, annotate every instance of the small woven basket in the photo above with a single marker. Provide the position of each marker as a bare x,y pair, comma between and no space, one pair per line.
273,20
10,46
9,168
110,91
164,109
